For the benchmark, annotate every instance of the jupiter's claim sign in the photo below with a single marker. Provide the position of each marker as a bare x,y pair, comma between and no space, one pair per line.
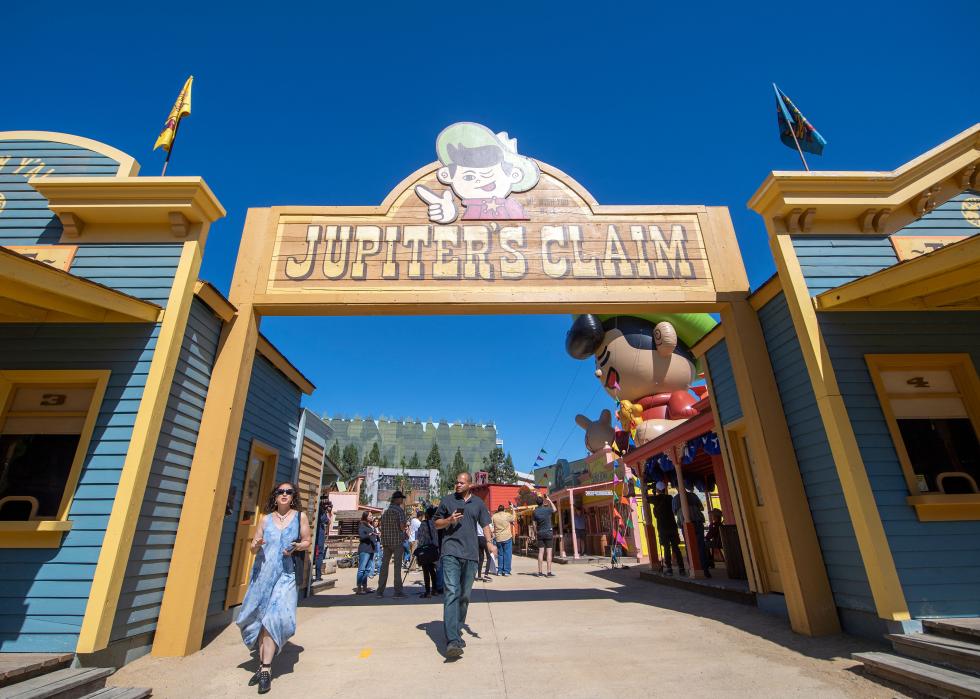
486,216
487,252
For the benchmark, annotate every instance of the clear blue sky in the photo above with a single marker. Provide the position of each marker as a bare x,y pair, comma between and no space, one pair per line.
647,102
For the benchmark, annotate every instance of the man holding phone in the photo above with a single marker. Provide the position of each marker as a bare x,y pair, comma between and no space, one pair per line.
459,515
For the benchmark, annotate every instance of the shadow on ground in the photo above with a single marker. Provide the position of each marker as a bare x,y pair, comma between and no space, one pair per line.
284,663
629,588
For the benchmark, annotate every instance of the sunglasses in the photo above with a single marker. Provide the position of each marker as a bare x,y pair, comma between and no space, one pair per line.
285,491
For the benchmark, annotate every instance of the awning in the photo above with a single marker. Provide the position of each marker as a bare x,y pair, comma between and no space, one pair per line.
947,279
33,292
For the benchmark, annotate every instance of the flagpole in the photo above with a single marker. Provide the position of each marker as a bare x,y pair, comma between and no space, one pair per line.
177,128
791,130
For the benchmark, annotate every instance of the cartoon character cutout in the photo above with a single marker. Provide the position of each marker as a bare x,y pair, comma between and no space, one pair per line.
482,169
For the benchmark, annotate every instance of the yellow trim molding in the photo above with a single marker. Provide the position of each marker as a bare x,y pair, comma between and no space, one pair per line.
869,203
214,300
136,209
766,293
968,386
945,279
128,167
224,309
757,299
879,564
279,361
708,340
33,292
946,508
794,545
48,533
180,628
117,543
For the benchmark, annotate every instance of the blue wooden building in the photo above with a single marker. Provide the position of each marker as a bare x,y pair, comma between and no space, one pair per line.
872,327
107,341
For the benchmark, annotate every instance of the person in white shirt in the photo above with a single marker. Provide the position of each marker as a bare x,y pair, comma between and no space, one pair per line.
413,530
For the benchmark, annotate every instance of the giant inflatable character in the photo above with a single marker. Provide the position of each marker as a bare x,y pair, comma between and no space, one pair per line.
645,363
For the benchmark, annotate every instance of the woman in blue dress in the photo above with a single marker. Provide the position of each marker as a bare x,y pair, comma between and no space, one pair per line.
268,614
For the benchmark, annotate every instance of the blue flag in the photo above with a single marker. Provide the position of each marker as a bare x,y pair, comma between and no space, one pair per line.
792,122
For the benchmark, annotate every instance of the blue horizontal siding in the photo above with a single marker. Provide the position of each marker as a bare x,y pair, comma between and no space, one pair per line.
272,411
723,382
27,220
829,261
832,522
938,563
145,271
45,591
156,529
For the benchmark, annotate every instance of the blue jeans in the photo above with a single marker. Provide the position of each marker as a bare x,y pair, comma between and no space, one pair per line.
458,574
504,551
407,550
377,560
440,577
363,566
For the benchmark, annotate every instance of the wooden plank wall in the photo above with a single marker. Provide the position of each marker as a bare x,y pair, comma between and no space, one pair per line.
829,261
726,395
938,563
310,472
845,568
272,416
146,572
44,591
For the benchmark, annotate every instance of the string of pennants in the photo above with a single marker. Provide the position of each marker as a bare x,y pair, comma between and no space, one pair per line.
661,468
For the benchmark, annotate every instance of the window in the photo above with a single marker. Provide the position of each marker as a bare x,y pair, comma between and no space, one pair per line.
46,419
931,405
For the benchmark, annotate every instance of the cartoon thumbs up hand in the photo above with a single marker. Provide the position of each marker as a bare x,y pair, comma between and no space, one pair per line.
441,208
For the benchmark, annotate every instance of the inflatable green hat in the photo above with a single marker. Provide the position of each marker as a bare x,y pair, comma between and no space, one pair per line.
690,327
467,136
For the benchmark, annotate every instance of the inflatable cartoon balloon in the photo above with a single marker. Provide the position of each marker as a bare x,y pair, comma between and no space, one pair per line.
601,433
645,363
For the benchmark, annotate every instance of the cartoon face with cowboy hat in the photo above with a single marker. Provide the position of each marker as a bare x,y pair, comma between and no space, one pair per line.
482,168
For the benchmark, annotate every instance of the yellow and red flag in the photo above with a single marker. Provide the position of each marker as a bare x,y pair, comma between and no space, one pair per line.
182,107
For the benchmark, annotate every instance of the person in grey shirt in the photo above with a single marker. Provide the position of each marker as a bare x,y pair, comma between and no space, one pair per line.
458,517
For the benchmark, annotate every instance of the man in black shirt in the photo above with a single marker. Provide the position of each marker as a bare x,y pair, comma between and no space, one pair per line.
545,533
663,513
458,517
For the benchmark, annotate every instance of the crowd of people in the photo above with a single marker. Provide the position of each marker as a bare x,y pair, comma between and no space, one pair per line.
668,512
453,545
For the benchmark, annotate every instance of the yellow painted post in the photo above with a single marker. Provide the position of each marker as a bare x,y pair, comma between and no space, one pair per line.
868,530
794,544
117,544
180,628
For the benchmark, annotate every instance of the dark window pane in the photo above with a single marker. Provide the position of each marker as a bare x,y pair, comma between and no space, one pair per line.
34,466
943,446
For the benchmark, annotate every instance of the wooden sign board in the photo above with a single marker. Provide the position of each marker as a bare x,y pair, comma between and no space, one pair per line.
57,256
908,247
442,243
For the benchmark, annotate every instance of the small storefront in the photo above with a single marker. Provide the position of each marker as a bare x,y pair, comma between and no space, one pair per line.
689,456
